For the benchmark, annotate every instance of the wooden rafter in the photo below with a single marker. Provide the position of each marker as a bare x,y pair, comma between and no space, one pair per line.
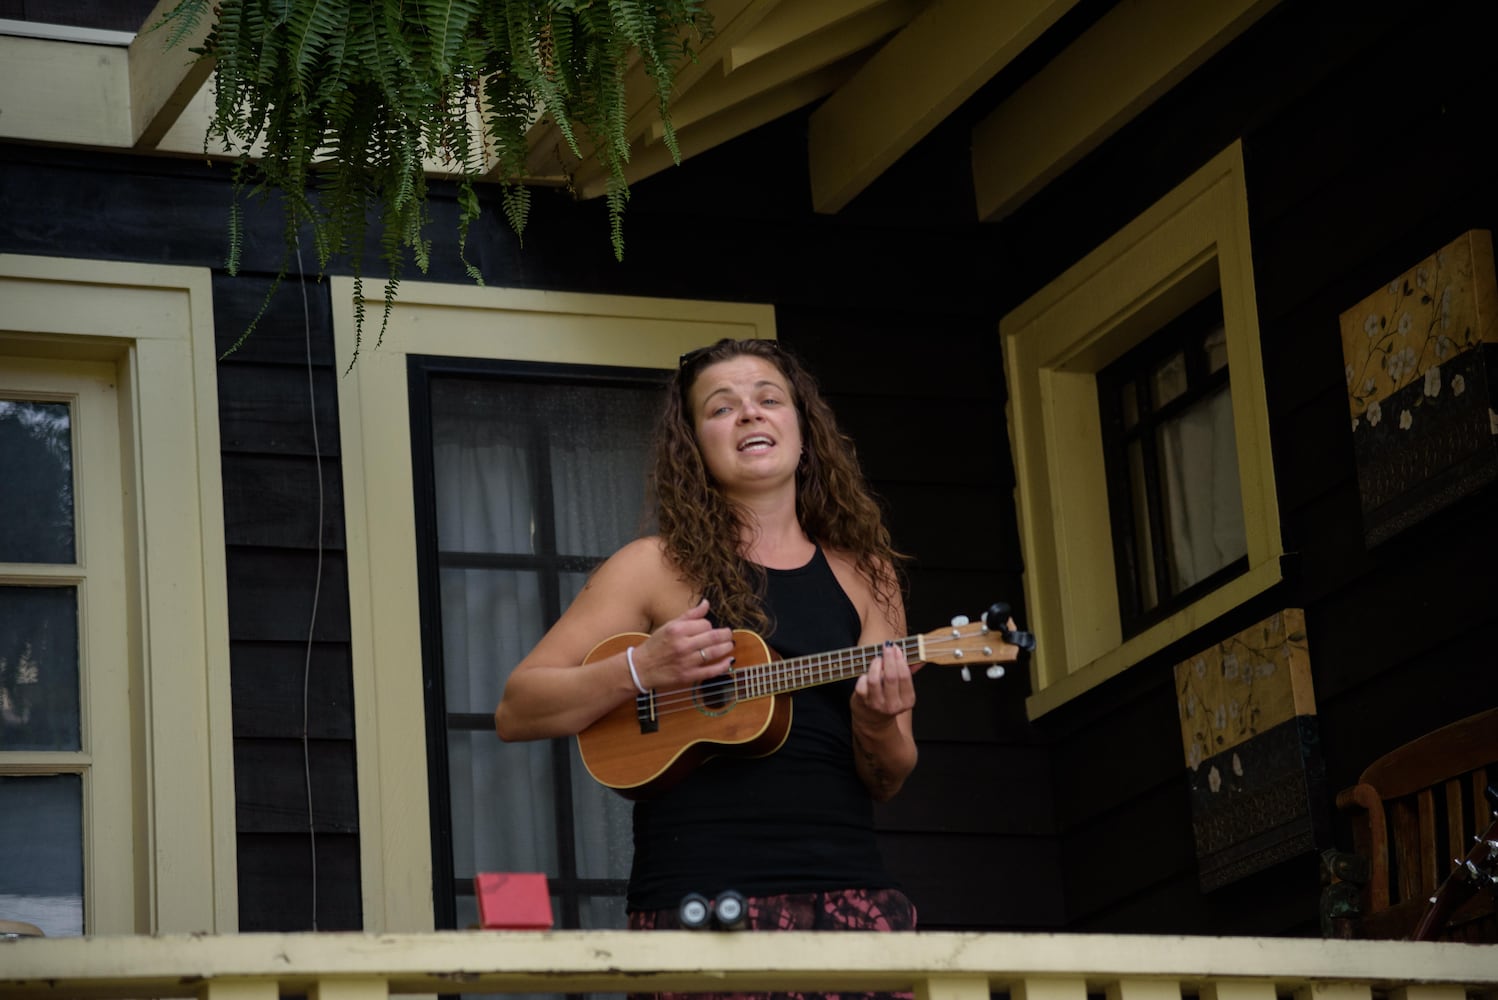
1118,67
163,81
917,79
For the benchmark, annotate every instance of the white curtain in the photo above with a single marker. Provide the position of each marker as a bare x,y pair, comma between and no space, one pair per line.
1203,502
486,435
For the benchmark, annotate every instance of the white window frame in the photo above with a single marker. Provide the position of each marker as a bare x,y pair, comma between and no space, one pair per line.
1193,240
152,326
459,321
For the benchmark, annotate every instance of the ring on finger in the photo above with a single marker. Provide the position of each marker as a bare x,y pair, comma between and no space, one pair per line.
702,653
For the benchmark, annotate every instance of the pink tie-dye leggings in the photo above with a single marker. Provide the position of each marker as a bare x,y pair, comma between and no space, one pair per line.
841,910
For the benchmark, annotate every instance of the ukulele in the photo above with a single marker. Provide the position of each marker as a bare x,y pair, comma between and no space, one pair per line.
650,742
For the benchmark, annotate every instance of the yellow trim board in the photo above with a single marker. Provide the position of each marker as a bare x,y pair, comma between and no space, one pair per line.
1193,240
154,324
462,321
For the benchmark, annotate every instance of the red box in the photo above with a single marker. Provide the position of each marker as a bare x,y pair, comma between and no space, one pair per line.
513,901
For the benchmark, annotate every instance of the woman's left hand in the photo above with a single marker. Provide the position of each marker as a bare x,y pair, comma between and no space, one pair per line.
886,690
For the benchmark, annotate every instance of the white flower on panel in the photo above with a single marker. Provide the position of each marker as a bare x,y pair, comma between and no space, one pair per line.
1458,385
1375,413
1370,326
1405,420
1237,765
1400,364
1214,779
1433,380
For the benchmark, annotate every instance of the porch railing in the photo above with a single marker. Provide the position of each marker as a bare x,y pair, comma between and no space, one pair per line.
937,966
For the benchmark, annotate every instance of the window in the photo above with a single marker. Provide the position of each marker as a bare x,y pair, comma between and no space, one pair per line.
60,751
1173,492
114,734
1060,347
501,336
536,474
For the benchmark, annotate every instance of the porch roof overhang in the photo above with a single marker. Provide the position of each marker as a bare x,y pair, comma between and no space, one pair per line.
881,74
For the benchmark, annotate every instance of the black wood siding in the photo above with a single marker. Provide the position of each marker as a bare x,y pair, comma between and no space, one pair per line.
1365,127
895,313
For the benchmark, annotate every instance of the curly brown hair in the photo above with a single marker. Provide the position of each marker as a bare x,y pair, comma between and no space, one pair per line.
701,528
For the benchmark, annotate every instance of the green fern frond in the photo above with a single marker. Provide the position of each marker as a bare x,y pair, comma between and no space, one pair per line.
616,196
312,28
182,19
446,21
340,101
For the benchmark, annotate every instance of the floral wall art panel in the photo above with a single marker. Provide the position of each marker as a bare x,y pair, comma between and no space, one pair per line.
1422,363
1253,756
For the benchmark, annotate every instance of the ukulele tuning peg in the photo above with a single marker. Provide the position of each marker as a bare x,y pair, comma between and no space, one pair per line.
994,672
967,674
959,620
997,616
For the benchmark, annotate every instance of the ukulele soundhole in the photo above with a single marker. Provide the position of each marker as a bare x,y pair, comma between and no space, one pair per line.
715,696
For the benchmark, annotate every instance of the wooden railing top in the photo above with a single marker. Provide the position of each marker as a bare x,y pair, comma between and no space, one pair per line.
624,961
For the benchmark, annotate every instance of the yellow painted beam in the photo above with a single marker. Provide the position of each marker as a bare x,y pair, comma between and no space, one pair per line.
913,83
788,24
163,81
810,53
732,19
591,180
1133,54
64,92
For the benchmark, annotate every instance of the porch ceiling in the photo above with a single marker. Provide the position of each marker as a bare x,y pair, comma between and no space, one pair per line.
883,73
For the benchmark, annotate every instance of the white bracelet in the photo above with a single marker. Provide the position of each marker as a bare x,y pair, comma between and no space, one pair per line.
629,657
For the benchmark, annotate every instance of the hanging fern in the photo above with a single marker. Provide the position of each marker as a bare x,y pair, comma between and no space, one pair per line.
334,104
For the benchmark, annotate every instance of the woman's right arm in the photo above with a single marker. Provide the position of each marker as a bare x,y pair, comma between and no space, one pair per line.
552,692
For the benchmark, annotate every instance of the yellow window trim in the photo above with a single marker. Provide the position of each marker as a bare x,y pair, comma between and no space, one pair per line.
153,325
460,321
1193,240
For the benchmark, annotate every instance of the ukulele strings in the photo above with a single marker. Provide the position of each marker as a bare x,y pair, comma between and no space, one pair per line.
779,676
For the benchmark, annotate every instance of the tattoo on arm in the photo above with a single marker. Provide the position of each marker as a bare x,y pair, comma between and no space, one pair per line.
873,769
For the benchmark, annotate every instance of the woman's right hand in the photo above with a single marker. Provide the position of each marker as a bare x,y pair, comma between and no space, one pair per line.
683,652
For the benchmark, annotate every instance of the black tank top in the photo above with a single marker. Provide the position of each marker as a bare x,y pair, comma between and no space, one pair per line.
799,820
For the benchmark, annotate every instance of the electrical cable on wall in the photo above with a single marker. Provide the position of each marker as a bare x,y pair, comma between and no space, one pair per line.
317,586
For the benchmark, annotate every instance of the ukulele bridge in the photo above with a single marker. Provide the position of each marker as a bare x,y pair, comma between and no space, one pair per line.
645,712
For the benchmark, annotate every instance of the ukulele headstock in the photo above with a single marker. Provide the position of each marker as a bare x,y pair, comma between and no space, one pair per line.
989,642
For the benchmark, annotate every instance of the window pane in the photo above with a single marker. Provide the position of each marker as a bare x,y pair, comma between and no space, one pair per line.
602,913
534,481
490,619
36,492
1128,397
1199,481
503,820
39,701
491,438
602,821
1168,380
1144,541
1215,347
41,852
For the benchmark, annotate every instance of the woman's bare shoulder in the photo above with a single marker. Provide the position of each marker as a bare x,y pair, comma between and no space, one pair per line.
642,575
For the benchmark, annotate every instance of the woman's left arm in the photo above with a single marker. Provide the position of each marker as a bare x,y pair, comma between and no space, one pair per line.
884,750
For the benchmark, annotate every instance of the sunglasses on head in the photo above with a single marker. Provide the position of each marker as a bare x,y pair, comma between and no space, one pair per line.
695,355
